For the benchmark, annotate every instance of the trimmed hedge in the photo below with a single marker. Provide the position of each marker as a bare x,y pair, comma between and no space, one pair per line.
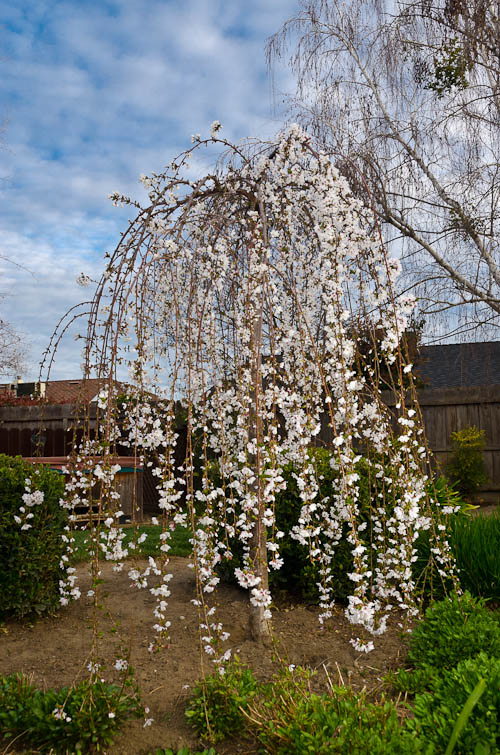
30,558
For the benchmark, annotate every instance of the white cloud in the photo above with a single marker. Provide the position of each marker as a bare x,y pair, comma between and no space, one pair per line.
97,93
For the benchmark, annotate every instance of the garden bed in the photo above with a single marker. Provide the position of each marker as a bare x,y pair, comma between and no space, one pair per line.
55,651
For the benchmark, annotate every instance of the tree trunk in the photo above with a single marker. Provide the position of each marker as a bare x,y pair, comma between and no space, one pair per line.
260,627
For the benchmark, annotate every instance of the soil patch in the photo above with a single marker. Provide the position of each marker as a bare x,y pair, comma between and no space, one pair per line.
55,651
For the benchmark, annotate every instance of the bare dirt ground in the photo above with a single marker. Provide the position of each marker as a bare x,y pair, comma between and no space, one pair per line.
55,651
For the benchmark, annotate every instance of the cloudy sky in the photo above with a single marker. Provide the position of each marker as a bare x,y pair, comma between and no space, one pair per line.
93,93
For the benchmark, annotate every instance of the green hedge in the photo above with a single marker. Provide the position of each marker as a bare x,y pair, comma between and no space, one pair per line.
30,558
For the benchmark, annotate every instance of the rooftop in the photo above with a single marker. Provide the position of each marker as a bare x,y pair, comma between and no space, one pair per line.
460,365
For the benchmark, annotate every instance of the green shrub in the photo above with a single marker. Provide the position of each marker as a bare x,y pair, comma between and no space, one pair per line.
466,466
30,558
412,680
437,713
456,628
76,719
215,707
299,575
184,751
290,720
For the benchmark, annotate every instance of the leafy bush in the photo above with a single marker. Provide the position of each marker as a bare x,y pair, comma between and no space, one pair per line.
299,575
78,719
412,680
453,630
214,709
184,751
466,466
289,719
437,713
30,557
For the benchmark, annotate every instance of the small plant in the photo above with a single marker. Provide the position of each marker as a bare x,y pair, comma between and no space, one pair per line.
184,751
437,714
78,719
31,548
215,708
456,628
412,680
466,466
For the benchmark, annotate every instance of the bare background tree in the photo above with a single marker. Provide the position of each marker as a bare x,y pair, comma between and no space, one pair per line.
12,351
13,347
407,98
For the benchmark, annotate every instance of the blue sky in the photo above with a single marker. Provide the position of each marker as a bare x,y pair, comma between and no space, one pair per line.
93,94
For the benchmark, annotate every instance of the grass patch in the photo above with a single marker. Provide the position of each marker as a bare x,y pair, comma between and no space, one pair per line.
179,542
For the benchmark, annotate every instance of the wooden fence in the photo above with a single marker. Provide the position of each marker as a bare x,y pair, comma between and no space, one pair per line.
444,411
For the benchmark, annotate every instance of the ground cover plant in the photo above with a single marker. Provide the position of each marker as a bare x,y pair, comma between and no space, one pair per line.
456,659
80,719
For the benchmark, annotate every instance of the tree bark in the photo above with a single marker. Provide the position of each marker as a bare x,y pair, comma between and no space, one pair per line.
260,627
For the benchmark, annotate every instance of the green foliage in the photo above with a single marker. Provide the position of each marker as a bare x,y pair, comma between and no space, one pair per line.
289,719
30,559
475,545
451,67
437,714
184,751
412,680
464,716
475,542
445,495
299,575
453,630
466,466
79,719
215,707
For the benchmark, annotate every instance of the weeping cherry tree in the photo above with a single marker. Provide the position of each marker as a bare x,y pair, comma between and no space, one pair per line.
237,296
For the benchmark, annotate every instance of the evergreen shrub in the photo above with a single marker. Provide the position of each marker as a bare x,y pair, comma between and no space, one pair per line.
299,575
437,712
30,558
455,629
466,466
78,719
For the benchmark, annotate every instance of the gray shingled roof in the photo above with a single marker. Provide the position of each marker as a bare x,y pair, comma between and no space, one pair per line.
458,365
